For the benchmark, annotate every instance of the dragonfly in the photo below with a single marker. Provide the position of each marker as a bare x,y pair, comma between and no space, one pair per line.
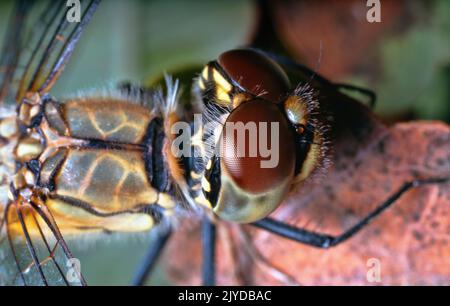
112,162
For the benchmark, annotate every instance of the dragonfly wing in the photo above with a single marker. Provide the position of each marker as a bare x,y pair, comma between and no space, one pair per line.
32,249
12,45
38,44
40,40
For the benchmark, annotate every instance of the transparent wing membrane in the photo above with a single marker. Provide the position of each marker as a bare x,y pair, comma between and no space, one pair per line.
33,251
38,44
11,48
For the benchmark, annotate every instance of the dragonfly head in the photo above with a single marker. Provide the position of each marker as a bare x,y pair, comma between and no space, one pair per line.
267,136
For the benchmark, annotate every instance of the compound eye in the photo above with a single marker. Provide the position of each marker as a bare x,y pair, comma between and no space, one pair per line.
251,129
256,73
257,161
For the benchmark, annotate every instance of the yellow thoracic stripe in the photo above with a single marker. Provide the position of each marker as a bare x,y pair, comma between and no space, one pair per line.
195,175
221,82
201,84
205,72
206,185
222,95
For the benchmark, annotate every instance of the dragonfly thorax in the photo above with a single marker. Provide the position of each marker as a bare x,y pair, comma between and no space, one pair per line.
99,163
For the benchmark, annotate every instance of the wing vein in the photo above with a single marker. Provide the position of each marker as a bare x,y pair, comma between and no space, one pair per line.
30,245
51,252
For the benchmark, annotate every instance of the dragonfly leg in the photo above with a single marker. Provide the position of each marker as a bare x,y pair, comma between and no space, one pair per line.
209,252
322,240
150,258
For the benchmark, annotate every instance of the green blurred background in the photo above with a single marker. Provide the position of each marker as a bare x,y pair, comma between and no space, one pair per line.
138,40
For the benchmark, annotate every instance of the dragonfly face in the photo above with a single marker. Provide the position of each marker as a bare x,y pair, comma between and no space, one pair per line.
252,90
